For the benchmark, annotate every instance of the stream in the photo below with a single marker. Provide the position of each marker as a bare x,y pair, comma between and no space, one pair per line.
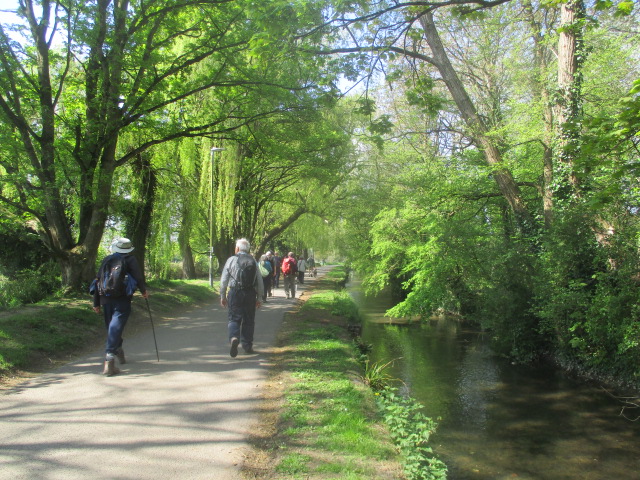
497,420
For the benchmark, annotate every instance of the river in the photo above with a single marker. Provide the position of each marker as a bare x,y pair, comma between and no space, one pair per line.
497,420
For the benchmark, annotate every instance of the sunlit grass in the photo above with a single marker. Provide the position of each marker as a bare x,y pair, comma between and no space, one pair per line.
328,415
293,463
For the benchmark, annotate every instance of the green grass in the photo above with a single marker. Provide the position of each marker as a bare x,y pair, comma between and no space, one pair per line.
52,331
328,425
337,277
34,336
338,419
339,303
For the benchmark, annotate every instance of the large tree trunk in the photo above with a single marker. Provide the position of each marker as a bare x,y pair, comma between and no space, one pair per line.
541,59
502,175
223,249
138,227
568,109
188,264
568,112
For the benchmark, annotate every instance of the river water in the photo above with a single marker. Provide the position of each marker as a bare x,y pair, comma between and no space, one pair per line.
496,420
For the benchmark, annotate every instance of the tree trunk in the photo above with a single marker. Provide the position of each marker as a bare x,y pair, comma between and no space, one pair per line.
503,177
540,55
188,265
223,249
568,112
137,228
568,109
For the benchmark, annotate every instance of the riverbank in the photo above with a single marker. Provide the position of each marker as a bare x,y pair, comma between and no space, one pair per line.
497,419
319,420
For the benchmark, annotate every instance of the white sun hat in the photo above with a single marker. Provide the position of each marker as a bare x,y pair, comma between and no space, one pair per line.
121,245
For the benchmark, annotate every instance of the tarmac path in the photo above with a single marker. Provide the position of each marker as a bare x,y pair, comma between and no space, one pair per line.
187,416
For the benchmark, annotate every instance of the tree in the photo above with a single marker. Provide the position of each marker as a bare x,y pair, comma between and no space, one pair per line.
283,168
446,236
89,73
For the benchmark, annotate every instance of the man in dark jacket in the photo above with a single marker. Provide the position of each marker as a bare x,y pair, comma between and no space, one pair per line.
117,306
242,300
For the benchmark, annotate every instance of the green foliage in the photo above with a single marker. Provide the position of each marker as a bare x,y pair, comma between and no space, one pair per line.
20,248
152,104
29,286
411,430
588,309
622,7
442,234
376,376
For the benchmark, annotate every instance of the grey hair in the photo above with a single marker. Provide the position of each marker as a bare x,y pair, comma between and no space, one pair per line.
243,245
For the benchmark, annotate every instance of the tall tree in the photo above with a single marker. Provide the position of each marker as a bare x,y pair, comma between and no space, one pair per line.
85,73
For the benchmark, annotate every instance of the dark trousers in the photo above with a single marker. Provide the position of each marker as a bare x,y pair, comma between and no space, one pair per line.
116,314
266,282
242,314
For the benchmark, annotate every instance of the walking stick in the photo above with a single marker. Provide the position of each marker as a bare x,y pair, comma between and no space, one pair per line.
153,329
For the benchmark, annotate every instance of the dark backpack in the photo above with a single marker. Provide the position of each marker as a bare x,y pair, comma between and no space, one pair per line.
112,281
247,272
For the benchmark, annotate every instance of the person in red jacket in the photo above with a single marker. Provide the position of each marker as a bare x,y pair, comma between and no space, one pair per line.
289,270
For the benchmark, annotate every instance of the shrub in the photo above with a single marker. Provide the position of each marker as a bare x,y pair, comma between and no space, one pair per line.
29,286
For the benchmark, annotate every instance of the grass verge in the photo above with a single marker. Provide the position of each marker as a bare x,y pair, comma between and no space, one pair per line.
320,420
40,336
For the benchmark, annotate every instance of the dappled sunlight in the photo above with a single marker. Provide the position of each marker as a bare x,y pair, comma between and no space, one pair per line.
187,415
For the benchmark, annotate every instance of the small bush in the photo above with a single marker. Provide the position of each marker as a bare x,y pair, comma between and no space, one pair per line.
29,286
376,376
411,431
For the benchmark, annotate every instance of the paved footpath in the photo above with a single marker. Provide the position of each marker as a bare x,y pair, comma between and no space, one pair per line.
185,417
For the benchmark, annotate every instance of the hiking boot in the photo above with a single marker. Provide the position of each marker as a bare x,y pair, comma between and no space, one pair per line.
120,354
234,347
110,367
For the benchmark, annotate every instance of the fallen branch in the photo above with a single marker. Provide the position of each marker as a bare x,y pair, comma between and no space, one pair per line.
628,403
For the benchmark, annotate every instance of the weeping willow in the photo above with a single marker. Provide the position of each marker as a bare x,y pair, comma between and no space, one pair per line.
227,173
176,216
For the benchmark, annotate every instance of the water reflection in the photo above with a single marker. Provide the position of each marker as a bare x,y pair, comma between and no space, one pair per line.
497,420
